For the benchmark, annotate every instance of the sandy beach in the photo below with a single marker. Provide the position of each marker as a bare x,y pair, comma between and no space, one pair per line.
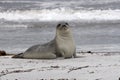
87,67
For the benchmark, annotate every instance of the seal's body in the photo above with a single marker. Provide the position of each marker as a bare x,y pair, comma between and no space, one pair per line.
45,51
61,46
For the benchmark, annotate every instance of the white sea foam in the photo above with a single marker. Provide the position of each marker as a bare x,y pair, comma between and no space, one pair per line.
60,14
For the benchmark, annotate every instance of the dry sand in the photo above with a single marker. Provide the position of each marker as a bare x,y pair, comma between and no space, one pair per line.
88,67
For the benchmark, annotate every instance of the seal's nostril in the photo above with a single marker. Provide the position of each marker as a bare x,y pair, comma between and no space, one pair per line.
64,25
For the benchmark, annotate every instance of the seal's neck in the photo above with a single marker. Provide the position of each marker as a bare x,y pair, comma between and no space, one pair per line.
64,35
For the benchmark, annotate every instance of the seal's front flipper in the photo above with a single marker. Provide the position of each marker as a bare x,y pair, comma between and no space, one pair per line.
75,56
18,56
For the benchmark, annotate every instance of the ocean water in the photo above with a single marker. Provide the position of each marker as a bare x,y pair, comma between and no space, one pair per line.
95,23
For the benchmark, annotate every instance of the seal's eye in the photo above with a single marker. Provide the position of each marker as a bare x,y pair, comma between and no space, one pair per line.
58,25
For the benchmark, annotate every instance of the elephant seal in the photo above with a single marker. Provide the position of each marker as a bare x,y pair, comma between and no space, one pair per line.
61,46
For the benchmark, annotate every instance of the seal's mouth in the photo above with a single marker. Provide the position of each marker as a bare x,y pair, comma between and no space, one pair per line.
62,26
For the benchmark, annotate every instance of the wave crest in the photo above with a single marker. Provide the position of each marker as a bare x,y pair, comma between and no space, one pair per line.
59,14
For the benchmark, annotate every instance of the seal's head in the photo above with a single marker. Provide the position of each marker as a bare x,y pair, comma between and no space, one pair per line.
63,28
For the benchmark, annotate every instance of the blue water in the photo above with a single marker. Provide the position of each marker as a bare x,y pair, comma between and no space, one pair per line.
27,22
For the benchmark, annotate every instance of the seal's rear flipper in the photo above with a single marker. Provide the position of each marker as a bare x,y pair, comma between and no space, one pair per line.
18,56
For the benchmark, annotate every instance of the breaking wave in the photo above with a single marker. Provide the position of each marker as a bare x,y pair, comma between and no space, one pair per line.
59,14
